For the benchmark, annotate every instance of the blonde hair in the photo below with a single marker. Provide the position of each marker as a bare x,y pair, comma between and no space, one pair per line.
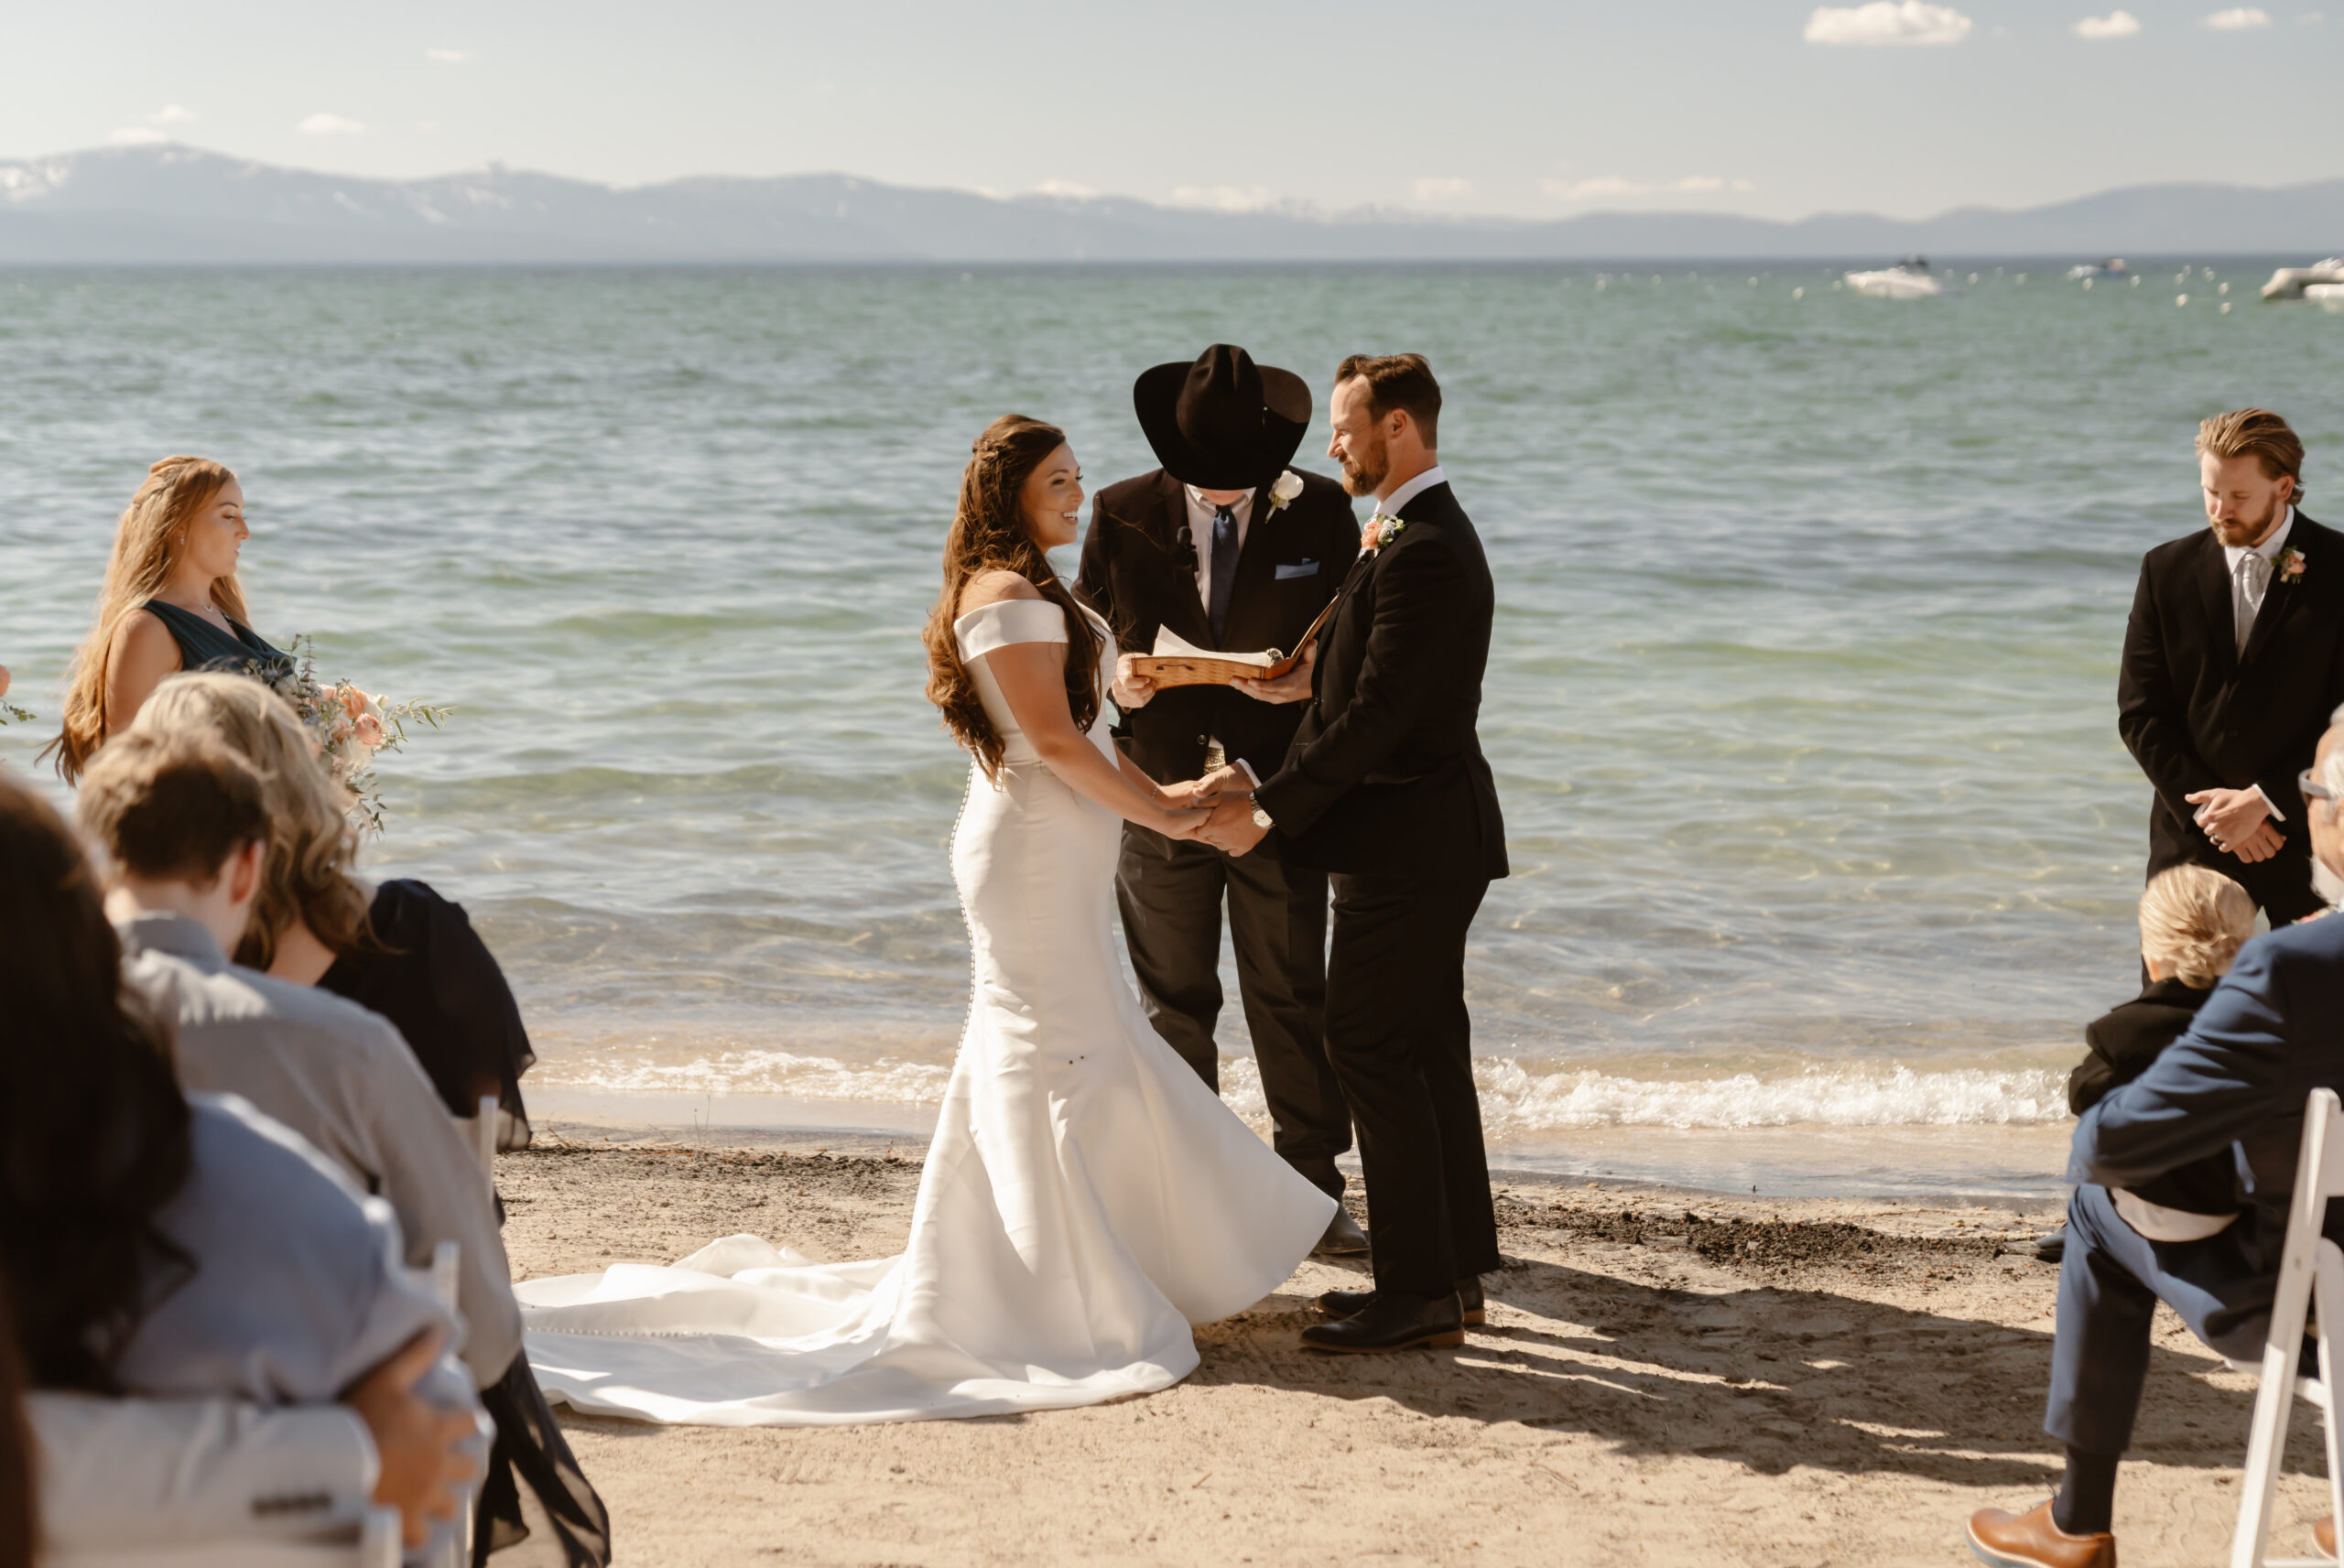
312,843
146,544
2276,447
2195,920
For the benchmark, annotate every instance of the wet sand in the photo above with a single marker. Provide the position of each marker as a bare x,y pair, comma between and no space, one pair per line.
1666,1376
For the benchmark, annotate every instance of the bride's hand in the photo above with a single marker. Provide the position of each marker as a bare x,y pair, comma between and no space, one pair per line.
1182,823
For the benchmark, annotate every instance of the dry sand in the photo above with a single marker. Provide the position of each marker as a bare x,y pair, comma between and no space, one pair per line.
1666,1378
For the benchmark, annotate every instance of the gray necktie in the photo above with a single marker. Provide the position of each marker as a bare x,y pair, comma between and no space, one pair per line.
2254,581
1224,572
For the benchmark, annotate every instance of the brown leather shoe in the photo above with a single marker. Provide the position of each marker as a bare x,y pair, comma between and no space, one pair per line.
2031,1541
2323,1537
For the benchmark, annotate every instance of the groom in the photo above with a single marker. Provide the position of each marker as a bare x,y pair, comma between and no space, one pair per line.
1386,787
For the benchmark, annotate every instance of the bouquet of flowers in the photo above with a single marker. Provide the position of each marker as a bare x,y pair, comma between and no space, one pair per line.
347,726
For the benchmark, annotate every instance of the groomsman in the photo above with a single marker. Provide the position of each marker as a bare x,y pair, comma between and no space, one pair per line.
2233,661
1230,549
1385,786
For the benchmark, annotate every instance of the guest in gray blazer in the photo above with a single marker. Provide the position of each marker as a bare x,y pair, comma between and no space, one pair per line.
331,1071
2233,1085
170,1246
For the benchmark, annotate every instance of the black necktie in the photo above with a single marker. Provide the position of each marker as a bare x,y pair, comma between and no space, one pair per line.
1224,572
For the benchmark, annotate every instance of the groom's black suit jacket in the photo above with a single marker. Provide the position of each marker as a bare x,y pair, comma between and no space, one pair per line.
1386,775
2200,715
1139,570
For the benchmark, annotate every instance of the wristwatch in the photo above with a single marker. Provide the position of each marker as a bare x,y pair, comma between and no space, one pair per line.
1261,818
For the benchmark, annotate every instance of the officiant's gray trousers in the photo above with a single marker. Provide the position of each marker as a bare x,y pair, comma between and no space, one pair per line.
1171,894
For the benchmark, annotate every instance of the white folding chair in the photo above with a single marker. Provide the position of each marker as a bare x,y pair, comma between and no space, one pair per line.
2311,1270
376,1546
447,1258
484,1137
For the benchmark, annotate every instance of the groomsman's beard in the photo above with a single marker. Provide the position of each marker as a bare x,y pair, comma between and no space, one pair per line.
2243,534
1360,479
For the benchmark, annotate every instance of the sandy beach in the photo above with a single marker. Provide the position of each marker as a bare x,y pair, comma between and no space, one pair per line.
1666,1376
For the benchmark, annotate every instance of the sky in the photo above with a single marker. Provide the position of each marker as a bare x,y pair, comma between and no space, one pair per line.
1527,110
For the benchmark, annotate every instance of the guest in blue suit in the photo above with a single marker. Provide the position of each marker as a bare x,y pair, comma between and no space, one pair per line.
2235,1084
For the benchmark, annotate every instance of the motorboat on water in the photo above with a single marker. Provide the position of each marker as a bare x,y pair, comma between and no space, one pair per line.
2297,282
2112,267
2329,296
1908,279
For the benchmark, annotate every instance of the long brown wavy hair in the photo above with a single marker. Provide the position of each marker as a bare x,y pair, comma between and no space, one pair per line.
146,544
989,534
311,845
94,1129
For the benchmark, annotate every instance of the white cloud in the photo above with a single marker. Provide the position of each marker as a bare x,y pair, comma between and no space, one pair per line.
1887,22
2115,25
2239,18
1064,187
330,125
172,114
1614,185
1435,189
137,136
447,56
1224,197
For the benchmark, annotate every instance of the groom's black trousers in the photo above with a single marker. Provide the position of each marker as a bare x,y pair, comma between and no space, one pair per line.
1402,1045
1170,892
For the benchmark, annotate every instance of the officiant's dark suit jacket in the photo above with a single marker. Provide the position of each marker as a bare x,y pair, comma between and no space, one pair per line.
1139,570
2198,715
1385,775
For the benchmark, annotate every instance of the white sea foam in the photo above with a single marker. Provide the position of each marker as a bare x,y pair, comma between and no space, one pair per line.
1517,1100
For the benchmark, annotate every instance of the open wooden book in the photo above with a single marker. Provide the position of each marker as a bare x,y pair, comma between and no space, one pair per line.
1175,661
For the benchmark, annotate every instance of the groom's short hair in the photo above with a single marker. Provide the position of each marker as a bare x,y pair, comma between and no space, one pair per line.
1398,381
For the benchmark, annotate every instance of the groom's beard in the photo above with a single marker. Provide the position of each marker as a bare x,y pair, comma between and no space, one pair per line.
1363,475
2326,884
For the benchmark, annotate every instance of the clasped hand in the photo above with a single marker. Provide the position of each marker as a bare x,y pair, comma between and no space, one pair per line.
1216,809
2238,821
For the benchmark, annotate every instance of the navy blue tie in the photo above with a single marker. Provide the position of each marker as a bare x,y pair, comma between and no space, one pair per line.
1224,572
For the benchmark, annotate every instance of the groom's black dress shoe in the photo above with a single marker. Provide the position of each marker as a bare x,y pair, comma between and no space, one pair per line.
1390,1321
1344,1238
1351,1304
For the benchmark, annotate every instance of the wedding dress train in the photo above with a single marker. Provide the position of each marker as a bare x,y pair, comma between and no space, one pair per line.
1086,1198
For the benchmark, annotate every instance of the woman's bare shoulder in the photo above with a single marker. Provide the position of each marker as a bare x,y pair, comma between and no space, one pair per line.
143,636
995,588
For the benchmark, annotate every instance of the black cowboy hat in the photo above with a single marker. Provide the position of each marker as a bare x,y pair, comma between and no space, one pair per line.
1222,423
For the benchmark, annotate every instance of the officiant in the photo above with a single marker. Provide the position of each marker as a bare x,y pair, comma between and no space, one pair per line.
1229,548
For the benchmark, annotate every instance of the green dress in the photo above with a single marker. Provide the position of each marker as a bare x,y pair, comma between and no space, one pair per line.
203,646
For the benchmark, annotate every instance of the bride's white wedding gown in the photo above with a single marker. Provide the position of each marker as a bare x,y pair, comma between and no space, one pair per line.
1086,1198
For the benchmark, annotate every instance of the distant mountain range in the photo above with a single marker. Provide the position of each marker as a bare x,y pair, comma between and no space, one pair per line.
180,204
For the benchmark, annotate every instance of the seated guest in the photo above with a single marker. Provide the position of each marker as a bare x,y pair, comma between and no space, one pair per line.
2193,922
121,1474
328,1069
182,1248
171,602
2232,1085
422,967
398,949
19,1526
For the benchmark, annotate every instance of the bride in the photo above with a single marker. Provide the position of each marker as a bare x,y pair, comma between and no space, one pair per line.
1086,1198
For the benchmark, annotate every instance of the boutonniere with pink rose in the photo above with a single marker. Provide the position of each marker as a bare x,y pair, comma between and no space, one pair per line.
1283,489
348,727
2291,565
1380,531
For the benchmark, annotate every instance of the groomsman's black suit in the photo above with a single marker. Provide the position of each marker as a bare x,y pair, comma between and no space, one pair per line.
1139,566
2200,715
1386,787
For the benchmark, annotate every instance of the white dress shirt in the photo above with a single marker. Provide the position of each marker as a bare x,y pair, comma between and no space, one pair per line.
2246,604
1390,505
1200,513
